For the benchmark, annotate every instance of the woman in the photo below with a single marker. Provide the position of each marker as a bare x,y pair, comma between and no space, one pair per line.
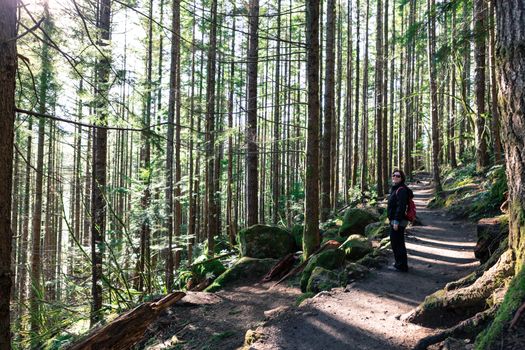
397,207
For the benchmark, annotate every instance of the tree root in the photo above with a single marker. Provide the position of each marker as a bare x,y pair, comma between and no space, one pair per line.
465,329
446,308
517,316
471,278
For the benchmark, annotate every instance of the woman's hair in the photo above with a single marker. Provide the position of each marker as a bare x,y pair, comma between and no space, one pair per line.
403,176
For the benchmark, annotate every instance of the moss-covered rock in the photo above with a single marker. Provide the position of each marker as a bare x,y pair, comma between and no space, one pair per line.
376,258
244,268
202,268
356,247
355,220
329,259
356,271
262,241
323,279
376,230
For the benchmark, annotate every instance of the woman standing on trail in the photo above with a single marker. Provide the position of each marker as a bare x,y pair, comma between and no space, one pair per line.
397,207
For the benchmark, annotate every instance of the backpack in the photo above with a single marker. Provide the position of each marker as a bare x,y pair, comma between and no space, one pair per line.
411,206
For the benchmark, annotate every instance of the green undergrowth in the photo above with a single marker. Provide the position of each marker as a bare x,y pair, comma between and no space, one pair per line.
469,194
514,297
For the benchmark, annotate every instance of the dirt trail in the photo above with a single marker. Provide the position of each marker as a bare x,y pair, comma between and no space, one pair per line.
365,315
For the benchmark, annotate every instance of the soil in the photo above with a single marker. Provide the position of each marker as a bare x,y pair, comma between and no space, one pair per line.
367,314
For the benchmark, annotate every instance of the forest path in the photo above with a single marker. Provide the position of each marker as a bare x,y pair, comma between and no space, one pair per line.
365,316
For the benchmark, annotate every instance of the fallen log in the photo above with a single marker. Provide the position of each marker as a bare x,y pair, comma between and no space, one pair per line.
127,329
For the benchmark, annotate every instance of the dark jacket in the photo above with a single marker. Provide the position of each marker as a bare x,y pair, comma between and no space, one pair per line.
397,203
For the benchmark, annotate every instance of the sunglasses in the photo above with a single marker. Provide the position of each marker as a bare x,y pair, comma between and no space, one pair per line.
396,175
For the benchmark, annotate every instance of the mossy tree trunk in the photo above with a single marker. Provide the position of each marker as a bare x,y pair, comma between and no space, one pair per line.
510,51
511,80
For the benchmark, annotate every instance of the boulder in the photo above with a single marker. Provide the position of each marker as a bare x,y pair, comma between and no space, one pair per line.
356,271
244,268
377,230
355,247
322,279
262,241
329,259
355,220
491,231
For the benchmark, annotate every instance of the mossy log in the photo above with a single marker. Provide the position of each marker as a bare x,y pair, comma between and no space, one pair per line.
446,308
127,329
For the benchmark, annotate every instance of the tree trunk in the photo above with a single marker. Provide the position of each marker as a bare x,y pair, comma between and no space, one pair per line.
276,121
433,95
326,168
364,126
480,14
173,94
210,131
36,259
311,228
379,98
355,157
8,65
98,204
496,135
511,85
251,120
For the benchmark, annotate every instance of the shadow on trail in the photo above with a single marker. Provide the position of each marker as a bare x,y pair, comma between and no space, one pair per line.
330,331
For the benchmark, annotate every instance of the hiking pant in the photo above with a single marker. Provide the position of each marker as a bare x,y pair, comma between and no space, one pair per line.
397,239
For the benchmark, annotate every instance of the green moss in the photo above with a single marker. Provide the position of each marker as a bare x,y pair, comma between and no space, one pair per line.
244,268
303,297
328,259
356,247
434,300
514,297
377,230
207,269
355,220
322,279
262,241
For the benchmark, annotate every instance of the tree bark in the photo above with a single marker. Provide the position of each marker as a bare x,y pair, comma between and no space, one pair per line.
210,131
173,110
98,204
8,66
311,228
433,95
329,95
379,98
251,119
511,85
480,15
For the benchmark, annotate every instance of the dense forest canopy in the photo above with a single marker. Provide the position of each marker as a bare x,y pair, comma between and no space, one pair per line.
146,134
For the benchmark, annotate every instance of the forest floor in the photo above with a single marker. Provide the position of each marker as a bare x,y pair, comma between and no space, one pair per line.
367,314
